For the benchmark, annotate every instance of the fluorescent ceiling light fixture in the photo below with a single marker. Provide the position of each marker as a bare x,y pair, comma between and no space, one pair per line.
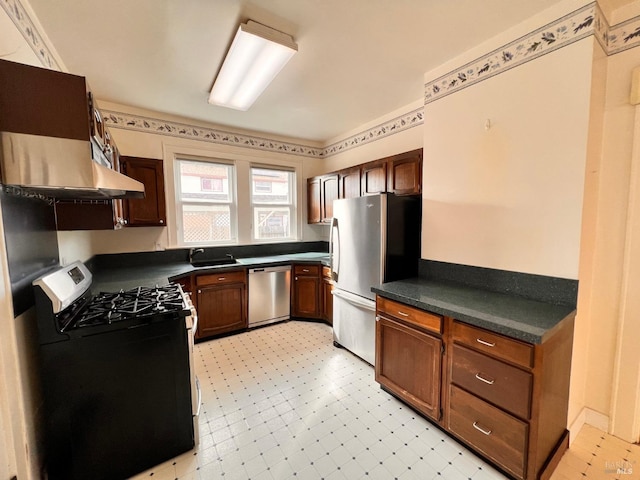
256,56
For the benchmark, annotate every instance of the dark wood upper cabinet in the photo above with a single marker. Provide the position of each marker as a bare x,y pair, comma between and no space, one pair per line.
150,210
113,214
404,173
349,183
39,101
399,174
329,194
374,178
314,214
321,192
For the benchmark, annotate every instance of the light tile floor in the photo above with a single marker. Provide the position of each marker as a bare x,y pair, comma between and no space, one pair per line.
282,402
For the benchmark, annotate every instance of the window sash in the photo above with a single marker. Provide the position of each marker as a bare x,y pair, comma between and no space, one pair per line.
206,217
267,224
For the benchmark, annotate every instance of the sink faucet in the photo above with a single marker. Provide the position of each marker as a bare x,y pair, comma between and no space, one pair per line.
193,252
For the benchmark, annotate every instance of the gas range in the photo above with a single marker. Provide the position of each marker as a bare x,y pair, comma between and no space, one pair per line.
67,308
117,375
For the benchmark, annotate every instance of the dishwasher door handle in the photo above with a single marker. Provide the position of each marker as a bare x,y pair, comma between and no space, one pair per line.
283,268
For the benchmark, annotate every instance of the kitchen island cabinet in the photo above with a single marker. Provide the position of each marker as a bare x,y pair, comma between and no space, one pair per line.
504,397
221,303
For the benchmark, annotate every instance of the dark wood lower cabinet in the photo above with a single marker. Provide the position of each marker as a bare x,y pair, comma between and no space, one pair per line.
305,297
327,300
504,398
409,364
221,302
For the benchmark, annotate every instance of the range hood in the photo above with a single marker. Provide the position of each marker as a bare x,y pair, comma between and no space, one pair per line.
60,168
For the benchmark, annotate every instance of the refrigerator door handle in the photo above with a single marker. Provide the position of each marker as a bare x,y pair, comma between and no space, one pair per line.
334,266
355,300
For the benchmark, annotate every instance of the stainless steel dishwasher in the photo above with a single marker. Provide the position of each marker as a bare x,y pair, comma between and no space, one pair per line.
269,295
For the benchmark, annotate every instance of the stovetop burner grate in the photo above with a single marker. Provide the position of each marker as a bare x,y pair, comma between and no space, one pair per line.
106,308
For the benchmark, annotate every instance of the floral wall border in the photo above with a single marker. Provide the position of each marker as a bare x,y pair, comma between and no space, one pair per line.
624,36
183,130
21,19
391,127
575,26
557,34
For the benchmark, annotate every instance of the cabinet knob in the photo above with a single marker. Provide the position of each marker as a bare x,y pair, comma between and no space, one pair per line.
161,221
199,291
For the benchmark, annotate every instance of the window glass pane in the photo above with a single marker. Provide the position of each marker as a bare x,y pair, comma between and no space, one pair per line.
272,222
270,186
205,181
206,223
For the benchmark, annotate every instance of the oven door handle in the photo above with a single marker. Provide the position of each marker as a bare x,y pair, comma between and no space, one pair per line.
194,319
197,412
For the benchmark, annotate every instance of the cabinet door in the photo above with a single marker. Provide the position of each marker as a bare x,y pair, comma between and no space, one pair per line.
349,183
88,214
404,173
408,363
329,193
327,301
221,309
374,178
313,200
306,297
150,210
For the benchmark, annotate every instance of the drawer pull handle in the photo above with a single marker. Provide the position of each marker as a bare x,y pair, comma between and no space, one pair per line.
482,379
305,270
403,314
221,278
480,429
483,342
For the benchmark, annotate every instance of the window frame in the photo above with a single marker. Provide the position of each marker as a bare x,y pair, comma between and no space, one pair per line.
232,203
291,204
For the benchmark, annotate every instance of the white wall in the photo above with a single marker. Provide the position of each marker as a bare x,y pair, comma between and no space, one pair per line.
510,196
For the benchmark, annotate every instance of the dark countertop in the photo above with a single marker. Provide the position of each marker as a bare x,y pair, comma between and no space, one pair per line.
517,317
125,278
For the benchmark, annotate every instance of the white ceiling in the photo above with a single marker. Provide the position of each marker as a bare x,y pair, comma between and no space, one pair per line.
357,59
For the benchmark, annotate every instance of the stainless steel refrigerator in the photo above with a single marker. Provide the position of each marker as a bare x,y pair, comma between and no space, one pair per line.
373,240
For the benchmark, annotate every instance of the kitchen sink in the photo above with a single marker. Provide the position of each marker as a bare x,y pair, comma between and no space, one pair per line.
213,262
209,261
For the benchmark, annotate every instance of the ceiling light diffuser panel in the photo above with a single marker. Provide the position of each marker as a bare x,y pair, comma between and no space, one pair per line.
256,56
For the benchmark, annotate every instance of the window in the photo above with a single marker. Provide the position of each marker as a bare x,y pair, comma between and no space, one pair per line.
272,202
206,202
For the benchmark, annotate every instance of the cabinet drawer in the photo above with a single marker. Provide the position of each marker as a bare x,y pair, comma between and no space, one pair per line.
414,316
494,344
503,385
306,269
236,276
496,434
326,272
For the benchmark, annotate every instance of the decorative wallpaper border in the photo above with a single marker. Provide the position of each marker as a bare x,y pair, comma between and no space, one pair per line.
175,129
575,26
560,33
624,36
16,11
391,127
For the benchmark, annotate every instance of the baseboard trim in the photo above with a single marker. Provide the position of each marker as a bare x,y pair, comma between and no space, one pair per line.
589,417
